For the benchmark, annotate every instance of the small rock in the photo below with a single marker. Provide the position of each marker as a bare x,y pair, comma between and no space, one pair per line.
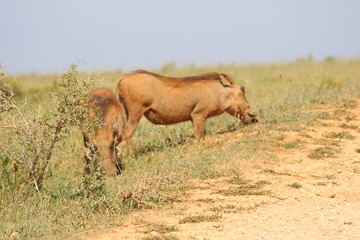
200,238
217,226
332,196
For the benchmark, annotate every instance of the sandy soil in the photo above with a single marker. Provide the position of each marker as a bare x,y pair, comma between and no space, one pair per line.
298,198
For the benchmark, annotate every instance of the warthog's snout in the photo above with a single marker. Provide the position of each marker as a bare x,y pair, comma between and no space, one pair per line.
249,118
253,118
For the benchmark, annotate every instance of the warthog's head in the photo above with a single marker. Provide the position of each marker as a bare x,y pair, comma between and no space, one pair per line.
239,106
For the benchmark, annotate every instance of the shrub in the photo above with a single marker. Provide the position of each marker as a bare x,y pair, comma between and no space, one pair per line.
30,135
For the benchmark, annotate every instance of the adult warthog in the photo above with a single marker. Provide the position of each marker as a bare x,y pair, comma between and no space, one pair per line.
169,100
112,117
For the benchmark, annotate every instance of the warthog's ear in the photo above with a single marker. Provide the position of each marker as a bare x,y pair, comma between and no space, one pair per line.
226,81
243,89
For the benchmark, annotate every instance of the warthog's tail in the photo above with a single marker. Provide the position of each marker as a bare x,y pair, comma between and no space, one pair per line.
121,99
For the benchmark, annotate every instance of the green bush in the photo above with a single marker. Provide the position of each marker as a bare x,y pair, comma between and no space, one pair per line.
31,134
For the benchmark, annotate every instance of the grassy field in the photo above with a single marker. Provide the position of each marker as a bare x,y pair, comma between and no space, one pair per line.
283,96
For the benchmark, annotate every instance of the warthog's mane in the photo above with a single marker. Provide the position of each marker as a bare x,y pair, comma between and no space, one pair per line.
202,77
103,99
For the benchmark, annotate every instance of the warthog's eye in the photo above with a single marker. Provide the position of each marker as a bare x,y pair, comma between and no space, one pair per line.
252,115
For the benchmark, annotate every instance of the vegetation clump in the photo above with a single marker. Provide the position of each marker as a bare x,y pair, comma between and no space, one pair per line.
323,152
34,133
342,135
200,218
295,185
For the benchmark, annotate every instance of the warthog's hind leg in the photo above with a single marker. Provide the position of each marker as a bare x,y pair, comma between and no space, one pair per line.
130,127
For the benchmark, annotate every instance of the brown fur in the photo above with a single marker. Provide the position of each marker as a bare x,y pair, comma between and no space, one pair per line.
212,76
166,100
113,118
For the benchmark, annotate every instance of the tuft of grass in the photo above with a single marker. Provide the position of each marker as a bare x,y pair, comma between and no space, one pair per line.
348,102
295,185
271,171
237,180
329,83
326,142
262,182
349,116
323,152
245,190
342,135
162,237
160,228
291,145
341,112
326,116
206,200
347,126
322,183
225,209
330,177
200,218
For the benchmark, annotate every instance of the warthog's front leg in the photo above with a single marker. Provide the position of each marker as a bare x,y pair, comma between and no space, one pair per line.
199,125
118,155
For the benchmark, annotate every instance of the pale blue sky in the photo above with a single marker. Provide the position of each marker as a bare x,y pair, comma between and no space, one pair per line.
49,35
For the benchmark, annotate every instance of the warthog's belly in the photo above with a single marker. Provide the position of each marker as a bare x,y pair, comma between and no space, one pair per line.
167,118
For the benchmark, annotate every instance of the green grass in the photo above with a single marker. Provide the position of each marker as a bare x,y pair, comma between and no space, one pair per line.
323,152
244,188
271,171
281,94
160,228
206,200
295,185
162,237
291,145
348,126
249,190
326,116
330,177
342,135
200,218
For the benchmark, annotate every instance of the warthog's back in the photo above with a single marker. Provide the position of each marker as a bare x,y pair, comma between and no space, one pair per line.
169,100
142,75
111,111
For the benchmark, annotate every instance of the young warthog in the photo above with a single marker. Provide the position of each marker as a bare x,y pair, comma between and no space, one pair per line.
112,117
167,100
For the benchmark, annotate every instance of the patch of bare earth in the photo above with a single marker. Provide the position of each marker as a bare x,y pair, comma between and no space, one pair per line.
304,194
